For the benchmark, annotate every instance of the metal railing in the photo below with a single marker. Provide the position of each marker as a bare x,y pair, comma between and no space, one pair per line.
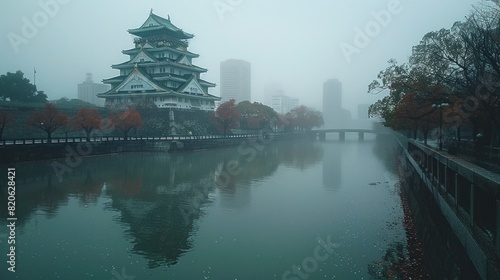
470,148
33,141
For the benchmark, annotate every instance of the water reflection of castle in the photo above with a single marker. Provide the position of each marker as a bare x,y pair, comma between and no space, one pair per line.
159,197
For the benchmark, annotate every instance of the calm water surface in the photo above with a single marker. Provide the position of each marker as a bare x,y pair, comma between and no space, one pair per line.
286,210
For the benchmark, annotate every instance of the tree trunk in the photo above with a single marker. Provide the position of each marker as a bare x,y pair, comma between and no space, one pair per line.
225,126
49,136
425,132
87,135
126,132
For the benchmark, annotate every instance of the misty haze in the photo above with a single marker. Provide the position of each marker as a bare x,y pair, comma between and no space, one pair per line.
233,139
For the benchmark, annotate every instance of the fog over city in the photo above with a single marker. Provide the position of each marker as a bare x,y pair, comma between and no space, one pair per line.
294,46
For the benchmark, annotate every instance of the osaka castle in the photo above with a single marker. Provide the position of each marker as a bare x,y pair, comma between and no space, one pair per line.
159,71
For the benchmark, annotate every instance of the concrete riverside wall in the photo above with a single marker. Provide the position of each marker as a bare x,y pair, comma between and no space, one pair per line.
18,153
10,153
461,195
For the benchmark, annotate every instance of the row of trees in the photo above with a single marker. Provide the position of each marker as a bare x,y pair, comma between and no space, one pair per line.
452,79
245,115
253,116
50,119
302,118
14,87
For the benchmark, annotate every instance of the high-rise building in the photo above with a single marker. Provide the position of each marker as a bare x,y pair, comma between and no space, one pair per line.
363,111
88,90
334,115
332,95
332,100
283,104
235,80
160,71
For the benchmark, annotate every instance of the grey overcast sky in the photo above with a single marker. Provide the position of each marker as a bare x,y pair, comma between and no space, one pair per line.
292,45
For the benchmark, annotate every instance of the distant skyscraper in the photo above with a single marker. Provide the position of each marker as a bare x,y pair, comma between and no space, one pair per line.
283,104
332,101
235,80
363,111
88,90
332,95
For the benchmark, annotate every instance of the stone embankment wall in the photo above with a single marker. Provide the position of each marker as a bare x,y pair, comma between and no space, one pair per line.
456,208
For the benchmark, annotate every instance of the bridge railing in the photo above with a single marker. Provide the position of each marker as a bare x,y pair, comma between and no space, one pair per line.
33,141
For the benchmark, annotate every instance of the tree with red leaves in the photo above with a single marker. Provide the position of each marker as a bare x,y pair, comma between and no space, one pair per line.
255,115
87,119
5,119
415,112
305,118
48,120
127,120
226,116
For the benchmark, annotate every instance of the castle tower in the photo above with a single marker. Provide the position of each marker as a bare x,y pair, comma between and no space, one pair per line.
160,71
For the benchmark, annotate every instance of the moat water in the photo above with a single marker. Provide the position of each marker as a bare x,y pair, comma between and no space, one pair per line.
283,210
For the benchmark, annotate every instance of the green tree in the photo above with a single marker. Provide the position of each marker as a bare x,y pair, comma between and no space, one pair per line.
72,103
15,87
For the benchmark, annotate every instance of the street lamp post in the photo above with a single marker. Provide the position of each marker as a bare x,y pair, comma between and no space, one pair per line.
440,107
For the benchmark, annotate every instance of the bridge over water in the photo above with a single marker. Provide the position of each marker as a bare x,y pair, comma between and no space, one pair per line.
321,133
